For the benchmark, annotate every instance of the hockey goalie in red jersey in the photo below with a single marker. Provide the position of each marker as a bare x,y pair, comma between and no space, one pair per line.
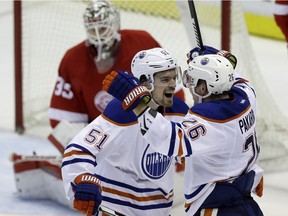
77,98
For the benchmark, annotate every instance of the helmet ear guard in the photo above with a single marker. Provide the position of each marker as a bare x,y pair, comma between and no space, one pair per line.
148,62
216,70
147,82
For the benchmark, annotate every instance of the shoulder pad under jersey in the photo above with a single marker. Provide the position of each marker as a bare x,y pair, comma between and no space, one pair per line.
117,115
223,110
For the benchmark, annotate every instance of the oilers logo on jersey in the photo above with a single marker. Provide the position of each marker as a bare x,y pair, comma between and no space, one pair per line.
154,164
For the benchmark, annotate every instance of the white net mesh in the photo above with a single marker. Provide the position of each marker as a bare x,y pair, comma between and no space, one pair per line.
49,29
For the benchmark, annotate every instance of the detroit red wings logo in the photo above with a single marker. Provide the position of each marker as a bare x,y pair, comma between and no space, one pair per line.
101,100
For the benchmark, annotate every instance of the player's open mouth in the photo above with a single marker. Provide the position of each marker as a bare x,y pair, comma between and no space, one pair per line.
168,95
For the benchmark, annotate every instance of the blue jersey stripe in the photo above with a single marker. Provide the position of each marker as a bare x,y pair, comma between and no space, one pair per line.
126,186
140,207
189,196
172,140
83,149
78,160
188,146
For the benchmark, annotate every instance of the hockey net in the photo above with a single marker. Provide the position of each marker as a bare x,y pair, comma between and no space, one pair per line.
49,28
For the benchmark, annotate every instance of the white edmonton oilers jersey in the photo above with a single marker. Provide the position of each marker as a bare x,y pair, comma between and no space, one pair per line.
135,179
217,139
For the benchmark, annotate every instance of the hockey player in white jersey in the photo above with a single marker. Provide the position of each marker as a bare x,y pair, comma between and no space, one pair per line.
110,162
217,138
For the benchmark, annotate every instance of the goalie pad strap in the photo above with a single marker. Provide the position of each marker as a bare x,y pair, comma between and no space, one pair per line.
56,143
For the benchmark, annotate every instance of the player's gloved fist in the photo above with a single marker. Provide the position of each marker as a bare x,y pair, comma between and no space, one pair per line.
197,51
126,88
211,50
87,194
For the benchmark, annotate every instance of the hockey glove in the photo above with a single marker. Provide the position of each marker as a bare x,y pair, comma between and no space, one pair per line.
211,50
126,88
87,197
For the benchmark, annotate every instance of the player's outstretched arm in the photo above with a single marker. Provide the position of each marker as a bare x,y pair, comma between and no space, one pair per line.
128,89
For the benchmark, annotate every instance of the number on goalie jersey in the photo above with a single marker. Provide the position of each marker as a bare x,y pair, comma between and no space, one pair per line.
77,95
135,179
217,138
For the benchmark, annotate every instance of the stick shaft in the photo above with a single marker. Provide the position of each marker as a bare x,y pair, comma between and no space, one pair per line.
195,23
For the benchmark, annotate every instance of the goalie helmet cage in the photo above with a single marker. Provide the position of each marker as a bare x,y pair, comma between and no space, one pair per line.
44,30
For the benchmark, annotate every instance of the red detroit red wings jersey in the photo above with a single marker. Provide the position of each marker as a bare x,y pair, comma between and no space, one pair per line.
77,96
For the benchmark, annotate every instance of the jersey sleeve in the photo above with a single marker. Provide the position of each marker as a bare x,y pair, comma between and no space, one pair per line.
94,143
66,102
176,138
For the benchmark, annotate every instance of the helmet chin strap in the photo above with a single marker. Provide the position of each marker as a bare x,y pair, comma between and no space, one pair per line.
200,97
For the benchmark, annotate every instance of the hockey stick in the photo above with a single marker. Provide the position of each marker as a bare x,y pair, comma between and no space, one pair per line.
195,23
14,157
109,211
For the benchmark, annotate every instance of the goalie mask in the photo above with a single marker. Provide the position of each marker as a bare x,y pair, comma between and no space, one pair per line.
148,62
216,70
102,23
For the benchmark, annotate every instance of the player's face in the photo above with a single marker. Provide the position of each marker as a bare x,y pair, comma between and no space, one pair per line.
164,87
199,90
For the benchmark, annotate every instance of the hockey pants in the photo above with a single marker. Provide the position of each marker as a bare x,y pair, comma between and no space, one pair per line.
232,199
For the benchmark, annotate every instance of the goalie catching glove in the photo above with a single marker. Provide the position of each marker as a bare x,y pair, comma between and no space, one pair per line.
211,50
126,88
87,197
